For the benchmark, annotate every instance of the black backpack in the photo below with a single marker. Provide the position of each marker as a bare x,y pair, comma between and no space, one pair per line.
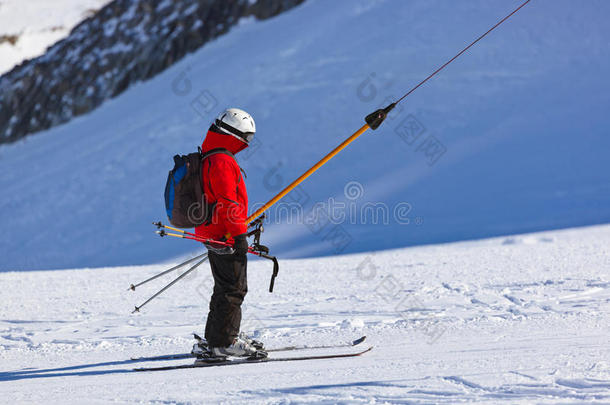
185,201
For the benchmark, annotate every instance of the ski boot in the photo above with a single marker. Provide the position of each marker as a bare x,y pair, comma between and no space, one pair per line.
200,347
257,344
239,348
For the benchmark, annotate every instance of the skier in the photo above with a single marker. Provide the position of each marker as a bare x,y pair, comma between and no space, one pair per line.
224,187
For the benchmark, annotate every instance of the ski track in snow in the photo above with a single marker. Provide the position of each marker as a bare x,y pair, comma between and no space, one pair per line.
483,321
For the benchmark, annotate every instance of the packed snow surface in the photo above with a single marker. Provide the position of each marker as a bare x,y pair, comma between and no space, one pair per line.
34,25
521,122
519,319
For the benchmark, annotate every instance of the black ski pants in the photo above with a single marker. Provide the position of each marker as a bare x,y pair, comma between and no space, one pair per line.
230,288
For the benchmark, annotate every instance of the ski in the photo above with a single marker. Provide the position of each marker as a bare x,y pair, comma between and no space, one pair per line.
176,356
179,356
248,361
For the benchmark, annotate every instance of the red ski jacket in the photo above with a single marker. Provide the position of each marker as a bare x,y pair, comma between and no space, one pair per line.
225,186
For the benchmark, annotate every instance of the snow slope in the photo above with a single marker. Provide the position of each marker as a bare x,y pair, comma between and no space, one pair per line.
519,319
522,119
37,24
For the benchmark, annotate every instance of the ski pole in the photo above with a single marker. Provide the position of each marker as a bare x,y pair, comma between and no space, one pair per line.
137,309
134,286
373,121
203,240
160,225
187,235
251,250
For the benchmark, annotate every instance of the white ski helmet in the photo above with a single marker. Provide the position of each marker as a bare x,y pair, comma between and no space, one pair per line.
238,123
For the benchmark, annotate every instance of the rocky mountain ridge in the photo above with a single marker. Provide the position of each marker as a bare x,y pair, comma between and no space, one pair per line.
125,42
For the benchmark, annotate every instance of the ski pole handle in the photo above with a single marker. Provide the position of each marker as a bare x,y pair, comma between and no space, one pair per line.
276,269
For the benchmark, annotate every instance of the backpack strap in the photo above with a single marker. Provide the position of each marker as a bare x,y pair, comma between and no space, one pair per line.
215,152
224,152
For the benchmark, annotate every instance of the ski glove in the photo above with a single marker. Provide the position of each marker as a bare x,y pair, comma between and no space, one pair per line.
241,245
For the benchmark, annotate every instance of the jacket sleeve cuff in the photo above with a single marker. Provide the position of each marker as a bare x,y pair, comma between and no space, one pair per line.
237,229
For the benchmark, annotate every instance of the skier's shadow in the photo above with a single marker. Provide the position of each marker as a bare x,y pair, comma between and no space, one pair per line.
67,371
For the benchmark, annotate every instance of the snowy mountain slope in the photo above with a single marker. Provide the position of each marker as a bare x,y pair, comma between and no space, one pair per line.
29,27
522,118
519,319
